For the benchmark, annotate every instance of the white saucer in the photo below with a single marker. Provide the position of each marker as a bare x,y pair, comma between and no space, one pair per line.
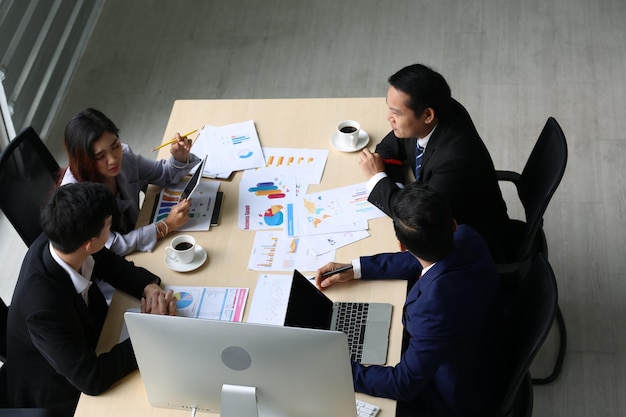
364,139
198,259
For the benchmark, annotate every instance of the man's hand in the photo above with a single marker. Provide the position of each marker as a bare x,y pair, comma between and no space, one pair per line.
157,301
344,276
370,163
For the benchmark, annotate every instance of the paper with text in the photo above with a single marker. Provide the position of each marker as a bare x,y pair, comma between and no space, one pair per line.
271,297
273,251
213,303
200,210
232,147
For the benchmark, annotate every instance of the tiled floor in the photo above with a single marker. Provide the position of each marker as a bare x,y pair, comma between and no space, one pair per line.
512,64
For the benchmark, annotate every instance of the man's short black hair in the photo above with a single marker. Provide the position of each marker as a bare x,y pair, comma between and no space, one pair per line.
425,88
76,213
423,222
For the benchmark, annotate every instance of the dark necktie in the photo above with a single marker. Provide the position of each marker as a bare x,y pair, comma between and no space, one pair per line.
97,305
419,153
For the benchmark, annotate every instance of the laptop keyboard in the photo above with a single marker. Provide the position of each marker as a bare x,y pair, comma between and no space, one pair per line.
351,319
364,409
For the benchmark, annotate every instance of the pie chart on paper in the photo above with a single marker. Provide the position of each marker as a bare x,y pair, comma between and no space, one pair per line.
183,300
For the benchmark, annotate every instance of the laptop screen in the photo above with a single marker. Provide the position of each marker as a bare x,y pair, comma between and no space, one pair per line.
307,307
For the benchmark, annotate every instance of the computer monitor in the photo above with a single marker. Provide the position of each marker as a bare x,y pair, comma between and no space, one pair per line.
242,369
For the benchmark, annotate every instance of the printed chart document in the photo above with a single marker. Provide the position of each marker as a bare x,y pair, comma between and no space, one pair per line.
337,210
213,303
264,199
228,148
307,165
273,251
320,244
202,205
271,296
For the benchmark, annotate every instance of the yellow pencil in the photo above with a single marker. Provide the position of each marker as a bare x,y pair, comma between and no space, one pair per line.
174,140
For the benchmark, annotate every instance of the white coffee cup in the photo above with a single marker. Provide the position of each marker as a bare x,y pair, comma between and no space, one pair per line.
182,249
348,133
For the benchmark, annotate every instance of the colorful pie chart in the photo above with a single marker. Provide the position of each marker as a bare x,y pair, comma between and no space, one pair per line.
183,299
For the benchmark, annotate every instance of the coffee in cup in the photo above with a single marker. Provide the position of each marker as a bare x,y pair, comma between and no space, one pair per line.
348,133
182,249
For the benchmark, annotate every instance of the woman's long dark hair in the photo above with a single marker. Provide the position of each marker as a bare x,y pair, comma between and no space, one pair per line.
81,132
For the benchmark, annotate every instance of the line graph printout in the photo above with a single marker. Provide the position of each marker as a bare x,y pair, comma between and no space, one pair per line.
307,165
271,296
320,244
232,147
212,303
273,251
264,200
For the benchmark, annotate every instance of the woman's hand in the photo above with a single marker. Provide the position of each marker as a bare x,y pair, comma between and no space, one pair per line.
180,149
178,216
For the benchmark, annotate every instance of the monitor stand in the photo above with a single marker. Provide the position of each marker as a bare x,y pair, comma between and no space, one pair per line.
238,401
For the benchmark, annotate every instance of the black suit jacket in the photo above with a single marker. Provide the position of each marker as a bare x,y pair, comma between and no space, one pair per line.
456,163
52,335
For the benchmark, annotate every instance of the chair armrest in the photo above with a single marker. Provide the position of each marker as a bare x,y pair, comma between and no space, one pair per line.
508,176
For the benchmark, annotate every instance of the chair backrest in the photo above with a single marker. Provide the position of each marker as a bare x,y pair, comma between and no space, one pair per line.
4,313
530,313
539,180
4,410
28,173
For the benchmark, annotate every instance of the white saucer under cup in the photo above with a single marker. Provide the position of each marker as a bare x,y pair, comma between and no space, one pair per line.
364,139
348,133
199,259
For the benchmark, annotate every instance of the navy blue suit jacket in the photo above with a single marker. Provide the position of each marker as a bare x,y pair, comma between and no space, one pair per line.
452,316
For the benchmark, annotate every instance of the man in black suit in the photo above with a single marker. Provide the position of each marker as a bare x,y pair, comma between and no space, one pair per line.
57,311
434,136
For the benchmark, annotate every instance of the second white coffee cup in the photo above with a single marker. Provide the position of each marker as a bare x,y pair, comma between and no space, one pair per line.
182,249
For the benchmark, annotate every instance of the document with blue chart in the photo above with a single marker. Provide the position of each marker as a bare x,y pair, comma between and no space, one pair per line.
203,203
229,148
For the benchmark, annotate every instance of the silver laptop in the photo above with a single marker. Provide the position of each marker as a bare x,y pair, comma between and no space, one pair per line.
366,324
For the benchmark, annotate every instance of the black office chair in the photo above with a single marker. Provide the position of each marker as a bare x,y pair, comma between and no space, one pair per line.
535,187
28,173
4,410
530,313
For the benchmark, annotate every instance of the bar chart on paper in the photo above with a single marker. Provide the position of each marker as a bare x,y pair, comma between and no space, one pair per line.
305,164
273,251
263,200
200,210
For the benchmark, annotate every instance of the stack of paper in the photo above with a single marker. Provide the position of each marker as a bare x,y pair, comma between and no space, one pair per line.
229,148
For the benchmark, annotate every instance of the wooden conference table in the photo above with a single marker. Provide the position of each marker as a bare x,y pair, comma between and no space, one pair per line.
299,123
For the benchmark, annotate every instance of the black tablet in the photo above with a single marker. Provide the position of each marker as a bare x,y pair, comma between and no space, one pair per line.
193,182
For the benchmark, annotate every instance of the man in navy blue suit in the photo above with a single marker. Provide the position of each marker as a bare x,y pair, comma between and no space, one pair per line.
452,315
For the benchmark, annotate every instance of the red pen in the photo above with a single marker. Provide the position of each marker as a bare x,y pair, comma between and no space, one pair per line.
391,161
